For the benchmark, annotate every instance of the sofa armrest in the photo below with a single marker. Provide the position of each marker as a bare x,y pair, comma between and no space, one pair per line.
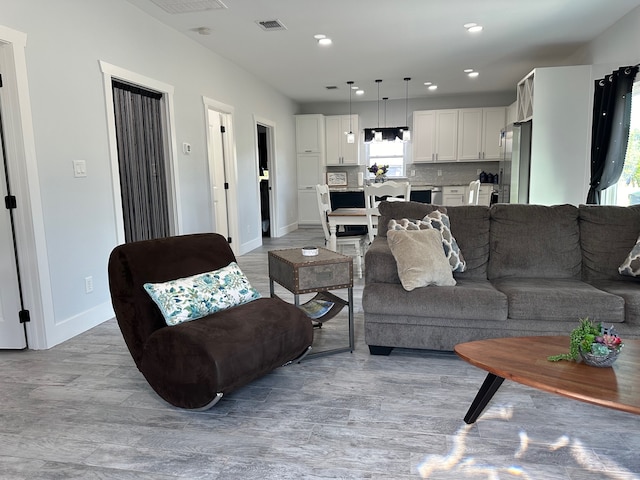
379,263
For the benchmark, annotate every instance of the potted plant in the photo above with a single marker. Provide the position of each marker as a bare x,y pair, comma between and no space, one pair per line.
595,345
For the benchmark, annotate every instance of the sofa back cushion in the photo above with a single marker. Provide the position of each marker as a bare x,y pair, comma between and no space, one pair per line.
399,210
470,227
607,235
534,241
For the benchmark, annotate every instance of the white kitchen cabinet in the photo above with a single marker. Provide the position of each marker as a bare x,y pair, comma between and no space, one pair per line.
479,133
484,195
454,195
338,151
435,136
310,144
309,133
310,173
308,212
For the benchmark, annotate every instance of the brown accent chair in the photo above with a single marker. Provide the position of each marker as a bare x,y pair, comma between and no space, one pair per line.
192,364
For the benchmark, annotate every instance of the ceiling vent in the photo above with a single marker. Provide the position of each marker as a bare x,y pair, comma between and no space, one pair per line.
189,6
271,25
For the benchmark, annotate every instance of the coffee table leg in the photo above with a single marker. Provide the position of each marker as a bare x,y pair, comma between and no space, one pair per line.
489,387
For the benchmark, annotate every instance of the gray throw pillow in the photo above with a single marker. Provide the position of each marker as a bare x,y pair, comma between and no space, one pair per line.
420,258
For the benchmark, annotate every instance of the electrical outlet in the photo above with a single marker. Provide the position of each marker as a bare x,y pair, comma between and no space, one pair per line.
88,284
439,173
478,171
413,173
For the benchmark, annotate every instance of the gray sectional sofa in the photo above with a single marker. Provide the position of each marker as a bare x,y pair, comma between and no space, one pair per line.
531,270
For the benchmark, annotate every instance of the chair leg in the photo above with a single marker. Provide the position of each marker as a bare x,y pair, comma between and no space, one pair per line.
359,259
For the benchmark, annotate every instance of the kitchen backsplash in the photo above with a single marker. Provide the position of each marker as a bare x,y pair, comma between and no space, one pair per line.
427,173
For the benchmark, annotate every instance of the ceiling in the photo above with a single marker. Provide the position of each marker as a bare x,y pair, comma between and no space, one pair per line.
390,40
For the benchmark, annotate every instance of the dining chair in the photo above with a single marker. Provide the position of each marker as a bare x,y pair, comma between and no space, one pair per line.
376,192
474,192
344,238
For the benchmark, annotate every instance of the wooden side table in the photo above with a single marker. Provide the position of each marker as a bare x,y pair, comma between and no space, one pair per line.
320,273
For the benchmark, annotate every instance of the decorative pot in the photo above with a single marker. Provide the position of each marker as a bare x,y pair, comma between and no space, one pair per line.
380,179
600,360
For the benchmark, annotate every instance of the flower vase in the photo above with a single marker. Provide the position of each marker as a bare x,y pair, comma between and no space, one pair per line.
380,179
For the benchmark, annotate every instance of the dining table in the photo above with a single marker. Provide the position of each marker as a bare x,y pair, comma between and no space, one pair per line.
345,216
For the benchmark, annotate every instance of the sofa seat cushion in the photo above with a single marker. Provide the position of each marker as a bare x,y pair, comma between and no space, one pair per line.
534,241
559,299
607,235
470,299
630,293
223,351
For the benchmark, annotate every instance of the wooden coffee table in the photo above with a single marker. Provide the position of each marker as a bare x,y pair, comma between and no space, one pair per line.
524,360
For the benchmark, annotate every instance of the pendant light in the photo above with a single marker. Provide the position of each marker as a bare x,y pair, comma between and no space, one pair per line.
351,138
406,134
377,137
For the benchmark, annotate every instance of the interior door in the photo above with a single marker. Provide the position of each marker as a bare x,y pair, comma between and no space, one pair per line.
217,173
12,334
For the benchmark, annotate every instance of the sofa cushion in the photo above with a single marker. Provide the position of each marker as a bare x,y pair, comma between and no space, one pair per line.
420,258
470,299
631,265
630,293
438,221
559,299
607,235
379,264
389,210
193,297
534,241
470,226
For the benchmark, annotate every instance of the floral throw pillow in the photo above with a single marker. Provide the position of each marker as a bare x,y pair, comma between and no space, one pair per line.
631,265
194,297
438,221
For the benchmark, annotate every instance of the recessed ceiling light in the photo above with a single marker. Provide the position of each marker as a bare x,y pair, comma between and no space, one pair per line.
319,36
428,83
468,70
473,27
473,74
360,92
353,87
324,41
433,87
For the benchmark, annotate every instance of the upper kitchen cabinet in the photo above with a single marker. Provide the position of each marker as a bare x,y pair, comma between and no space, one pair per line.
338,151
479,133
309,133
435,136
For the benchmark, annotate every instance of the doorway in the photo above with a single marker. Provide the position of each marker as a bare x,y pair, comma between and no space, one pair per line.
141,161
265,148
263,165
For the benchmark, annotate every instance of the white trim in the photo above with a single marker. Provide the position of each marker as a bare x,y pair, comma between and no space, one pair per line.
29,226
111,71
231,163
273,172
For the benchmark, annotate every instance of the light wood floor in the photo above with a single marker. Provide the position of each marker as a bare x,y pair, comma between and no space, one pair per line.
81,410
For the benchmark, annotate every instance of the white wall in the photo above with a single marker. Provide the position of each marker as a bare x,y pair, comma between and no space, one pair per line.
65,41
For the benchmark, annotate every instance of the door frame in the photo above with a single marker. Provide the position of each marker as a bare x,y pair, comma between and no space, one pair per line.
271,161
171,150
23,168
230,162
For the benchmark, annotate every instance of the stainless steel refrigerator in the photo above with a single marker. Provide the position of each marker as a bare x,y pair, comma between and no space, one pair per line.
516,163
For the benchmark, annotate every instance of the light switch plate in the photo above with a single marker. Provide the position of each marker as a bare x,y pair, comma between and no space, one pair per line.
79,168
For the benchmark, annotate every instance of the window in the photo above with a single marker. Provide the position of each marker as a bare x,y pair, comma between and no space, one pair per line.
387,153
627,190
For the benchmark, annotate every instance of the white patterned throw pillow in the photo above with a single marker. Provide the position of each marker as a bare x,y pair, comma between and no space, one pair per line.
194,297
438,221
631,265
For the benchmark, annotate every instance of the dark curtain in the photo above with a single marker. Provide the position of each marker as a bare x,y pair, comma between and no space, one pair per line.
143,179
610,129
